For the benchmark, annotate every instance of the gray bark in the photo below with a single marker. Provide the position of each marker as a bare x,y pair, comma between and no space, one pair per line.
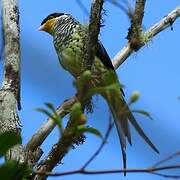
10,91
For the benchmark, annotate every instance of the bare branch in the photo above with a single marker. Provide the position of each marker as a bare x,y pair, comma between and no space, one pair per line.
166,175
164,23
110,126
81,5
140,170
122,5
167,159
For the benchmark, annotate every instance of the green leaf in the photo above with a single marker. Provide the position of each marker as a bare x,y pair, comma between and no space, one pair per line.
58,121
8,139
12,170
50,106
143,113
54,116
82,129
47,113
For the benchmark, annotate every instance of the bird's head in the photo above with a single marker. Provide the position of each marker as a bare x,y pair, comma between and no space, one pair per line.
49,22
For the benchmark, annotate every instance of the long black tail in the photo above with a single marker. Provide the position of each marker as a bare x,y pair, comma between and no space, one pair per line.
122,116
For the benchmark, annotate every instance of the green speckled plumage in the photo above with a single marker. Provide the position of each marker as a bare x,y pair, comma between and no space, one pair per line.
69,41
73,48
72,52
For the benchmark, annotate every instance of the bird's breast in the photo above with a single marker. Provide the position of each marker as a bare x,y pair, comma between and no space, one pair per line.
70,53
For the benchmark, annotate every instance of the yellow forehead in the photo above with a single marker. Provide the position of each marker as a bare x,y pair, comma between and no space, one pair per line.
47,26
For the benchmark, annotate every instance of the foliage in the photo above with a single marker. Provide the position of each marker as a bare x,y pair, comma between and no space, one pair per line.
7,140
53,115
11,169
77,119
14,170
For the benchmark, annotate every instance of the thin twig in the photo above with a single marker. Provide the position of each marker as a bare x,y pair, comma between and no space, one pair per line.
166,175
166,159
82,6
96,153
95,172
126,7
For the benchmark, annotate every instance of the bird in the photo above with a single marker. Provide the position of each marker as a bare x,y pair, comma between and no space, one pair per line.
69,38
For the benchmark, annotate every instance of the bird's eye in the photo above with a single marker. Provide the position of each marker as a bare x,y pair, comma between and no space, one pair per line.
50,17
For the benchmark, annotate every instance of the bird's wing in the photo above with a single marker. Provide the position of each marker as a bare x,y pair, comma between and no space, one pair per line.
102,54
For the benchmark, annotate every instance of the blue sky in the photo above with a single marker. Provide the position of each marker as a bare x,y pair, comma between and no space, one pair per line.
153,71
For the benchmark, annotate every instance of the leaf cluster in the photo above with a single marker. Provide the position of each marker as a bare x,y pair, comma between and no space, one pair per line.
11,169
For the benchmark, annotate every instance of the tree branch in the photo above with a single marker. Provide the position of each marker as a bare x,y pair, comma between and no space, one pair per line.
154,169
93,32
83,7
58,151
166,159
164,23
134,34
10,91
122,5
140,170
39,137
151,170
